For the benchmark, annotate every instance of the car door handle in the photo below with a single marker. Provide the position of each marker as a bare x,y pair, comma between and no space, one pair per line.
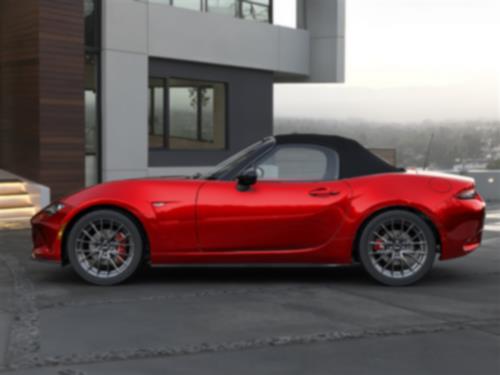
322,192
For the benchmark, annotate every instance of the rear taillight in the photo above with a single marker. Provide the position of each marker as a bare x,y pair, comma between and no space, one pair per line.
469,193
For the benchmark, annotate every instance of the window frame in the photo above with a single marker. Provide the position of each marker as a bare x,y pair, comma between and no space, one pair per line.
93,50
332,160
150,107
205,7
166,112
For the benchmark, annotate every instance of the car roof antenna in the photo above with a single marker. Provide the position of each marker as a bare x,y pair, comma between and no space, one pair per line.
428,152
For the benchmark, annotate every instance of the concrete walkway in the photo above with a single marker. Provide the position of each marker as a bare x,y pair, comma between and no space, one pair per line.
250,321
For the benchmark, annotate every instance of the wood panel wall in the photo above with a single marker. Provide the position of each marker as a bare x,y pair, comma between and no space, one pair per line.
19,84
41,92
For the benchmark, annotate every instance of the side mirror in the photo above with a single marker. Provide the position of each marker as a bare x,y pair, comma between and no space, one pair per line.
247,179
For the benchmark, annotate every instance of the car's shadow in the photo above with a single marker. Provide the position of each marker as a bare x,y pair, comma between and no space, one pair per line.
151,276
352,276
253,274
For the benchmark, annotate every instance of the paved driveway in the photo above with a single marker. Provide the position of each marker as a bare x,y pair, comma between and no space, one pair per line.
250,321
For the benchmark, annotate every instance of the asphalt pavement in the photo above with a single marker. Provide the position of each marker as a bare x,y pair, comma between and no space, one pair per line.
250,321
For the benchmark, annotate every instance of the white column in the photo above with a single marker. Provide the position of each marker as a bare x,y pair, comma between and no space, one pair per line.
124,89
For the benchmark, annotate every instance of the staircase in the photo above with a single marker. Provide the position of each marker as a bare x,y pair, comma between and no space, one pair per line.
15,202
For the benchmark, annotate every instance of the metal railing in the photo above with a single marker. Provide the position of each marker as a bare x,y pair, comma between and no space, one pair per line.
256,10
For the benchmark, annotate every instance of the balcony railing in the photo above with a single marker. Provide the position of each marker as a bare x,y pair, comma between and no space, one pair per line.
255,10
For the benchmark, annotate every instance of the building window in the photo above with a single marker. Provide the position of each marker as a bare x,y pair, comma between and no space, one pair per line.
225,7
196,115
90,10
91,121
256,10
156,113
299,163
91,91
187,4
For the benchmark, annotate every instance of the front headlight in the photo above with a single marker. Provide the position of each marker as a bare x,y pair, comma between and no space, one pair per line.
53,208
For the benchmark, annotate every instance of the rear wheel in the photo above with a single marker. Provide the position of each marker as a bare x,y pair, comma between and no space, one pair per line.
397,248
105,247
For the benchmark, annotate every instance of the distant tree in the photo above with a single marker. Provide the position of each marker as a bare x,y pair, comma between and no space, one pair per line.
471,145
493,164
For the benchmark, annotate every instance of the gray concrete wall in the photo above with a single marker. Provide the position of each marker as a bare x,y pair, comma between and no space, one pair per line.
211,38
314,53
325,22
487,183
160,30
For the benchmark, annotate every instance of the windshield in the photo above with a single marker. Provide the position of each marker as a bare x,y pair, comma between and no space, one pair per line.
237,159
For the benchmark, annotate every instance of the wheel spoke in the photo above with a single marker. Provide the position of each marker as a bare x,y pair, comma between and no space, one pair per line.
381,253
113,263
115,232
387,231
99,261
96,231
410,227
406,262
379,236
415,259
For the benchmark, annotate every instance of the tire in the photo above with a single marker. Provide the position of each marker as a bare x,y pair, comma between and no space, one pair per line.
397,248
105,247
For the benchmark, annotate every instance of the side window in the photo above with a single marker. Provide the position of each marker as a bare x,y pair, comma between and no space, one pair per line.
299,163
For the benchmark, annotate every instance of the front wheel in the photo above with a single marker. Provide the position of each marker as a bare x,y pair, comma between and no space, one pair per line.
397,248
105,247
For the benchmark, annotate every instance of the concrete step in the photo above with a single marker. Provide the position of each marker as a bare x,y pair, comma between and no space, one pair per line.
18,213
12,186
13,200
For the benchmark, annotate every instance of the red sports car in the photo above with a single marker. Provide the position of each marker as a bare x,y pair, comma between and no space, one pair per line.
289,199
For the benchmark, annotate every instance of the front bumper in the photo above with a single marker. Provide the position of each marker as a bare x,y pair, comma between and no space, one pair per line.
47,234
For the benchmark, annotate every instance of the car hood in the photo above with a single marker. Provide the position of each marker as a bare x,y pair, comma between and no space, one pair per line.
121,189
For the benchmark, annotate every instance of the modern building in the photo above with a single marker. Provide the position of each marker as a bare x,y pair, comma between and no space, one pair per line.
95,90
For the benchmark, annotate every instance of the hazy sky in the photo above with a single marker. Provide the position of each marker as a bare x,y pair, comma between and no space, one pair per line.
408,60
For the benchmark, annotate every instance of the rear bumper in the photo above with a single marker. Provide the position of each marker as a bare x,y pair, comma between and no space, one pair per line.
462,228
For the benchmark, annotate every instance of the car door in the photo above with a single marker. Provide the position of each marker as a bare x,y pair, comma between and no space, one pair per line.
297,203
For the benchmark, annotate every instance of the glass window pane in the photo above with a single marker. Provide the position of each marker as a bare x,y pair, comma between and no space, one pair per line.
156,112
187,4
91,120
91,168
225,7
197,115
90,13
294,163
207,114
251,10
183,107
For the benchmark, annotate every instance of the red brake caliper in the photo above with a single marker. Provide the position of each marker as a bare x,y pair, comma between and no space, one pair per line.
378,245
120,250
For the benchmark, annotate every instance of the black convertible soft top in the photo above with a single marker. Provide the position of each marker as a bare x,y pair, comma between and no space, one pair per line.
355,160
